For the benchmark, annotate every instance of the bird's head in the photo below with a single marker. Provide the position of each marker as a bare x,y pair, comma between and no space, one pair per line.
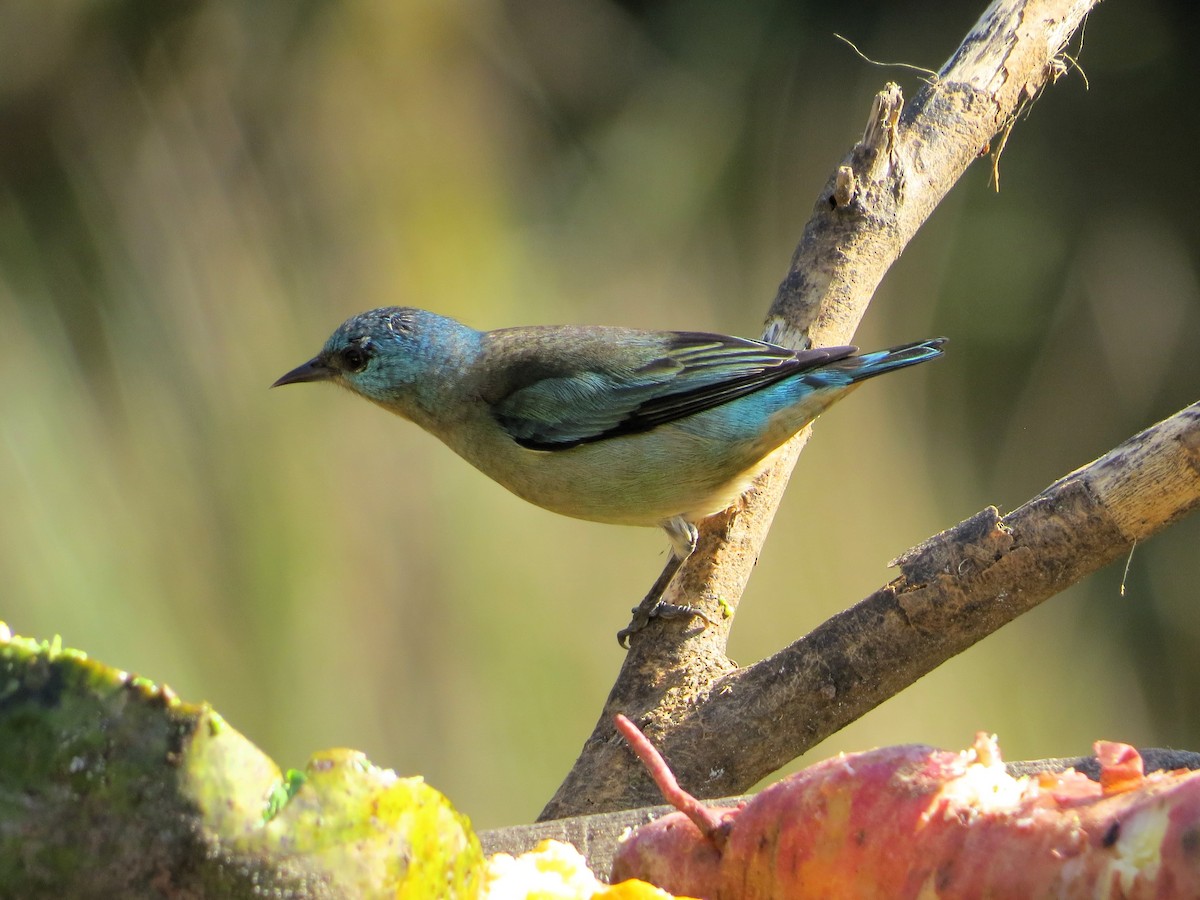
385,354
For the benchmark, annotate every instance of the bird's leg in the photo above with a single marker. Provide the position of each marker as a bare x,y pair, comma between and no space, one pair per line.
683,537
652,604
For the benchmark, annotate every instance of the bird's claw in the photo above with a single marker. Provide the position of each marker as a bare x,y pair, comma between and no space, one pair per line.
639,621
660,610
683,540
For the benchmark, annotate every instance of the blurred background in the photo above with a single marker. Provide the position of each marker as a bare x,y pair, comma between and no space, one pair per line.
192,196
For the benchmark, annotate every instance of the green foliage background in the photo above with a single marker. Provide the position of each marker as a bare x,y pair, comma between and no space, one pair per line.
192,195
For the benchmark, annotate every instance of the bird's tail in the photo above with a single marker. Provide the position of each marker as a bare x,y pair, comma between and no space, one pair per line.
868,365
834,379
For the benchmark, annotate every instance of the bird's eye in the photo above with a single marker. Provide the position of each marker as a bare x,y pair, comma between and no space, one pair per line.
355,358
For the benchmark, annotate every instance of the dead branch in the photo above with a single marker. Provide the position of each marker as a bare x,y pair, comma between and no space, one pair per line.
955,588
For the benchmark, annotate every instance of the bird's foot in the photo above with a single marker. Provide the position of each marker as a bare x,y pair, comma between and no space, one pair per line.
660,610
683,537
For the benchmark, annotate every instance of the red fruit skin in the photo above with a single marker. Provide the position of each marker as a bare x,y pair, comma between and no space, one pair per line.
671,853
846,821
903,822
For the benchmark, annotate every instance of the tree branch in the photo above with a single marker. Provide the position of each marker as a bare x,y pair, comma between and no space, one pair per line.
909,158
955,588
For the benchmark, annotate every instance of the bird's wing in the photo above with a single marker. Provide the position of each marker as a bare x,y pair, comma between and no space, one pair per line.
603,383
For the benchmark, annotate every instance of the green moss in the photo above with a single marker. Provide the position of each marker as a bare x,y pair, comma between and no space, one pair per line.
110,785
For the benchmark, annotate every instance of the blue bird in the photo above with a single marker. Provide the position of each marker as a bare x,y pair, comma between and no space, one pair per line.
601,423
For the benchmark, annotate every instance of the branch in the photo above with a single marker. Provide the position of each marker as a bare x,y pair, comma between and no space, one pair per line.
955,588
909,158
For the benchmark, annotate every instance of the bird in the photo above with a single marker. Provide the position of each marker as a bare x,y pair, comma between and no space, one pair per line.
597,422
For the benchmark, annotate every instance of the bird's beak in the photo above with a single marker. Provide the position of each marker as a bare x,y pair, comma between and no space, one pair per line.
313,370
